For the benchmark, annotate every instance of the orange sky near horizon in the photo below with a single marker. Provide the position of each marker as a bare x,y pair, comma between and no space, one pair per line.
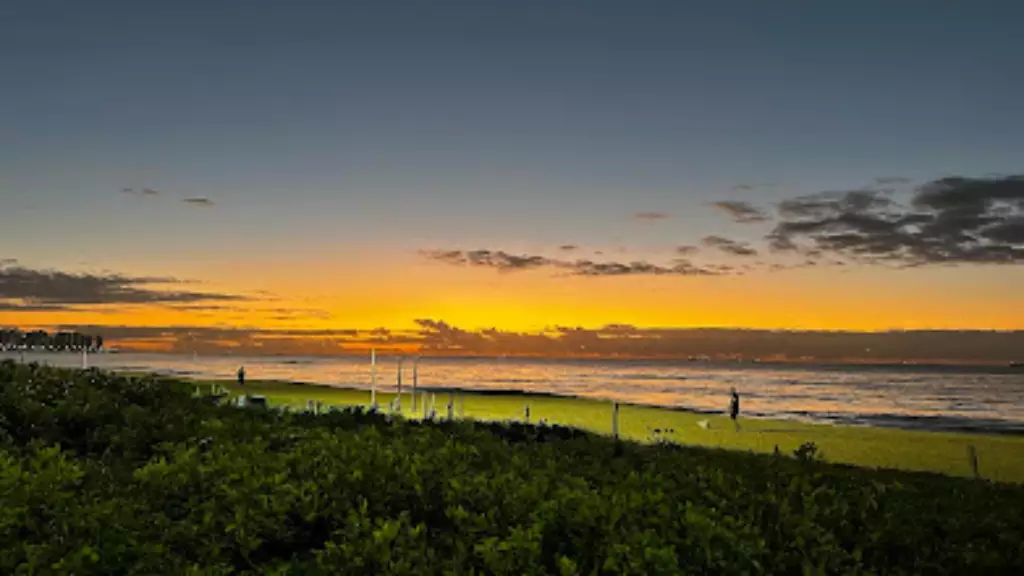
307,295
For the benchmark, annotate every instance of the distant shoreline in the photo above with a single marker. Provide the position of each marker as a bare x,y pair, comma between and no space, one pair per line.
1009,366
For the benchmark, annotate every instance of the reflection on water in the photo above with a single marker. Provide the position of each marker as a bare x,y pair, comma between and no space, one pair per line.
899,396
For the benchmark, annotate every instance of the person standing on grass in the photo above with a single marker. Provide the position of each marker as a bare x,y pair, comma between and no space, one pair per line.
241,376
734,409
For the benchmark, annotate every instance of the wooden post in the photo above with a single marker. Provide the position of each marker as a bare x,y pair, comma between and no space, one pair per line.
451,406
615,420
972,456
526,413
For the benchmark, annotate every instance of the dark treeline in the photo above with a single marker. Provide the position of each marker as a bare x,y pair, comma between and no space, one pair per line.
14,339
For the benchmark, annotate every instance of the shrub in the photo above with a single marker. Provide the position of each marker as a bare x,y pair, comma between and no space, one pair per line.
102,474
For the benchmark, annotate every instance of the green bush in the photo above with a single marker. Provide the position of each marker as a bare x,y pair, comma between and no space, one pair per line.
104,474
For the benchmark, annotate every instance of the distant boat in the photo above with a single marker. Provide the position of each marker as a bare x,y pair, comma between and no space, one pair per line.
1016,364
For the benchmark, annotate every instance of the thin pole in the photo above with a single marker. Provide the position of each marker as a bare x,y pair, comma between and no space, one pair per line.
373,377
85,359
615,420
399,398
415,380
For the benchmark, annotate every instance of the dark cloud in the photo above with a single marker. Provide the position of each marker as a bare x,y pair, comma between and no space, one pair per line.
686,250
8,306
505,262
652,216
827,202
951,220
626,340
639,268
51,287
497,259
199,201
741,212
568,247
743,187
436,337
729,246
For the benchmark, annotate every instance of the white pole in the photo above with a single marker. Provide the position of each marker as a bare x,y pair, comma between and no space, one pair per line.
85,359
373,377
415,379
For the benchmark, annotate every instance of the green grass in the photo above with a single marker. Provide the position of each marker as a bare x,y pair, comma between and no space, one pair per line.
1001,457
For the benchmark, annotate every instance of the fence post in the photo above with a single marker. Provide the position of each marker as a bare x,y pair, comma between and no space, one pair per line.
451,406
615,420
972,456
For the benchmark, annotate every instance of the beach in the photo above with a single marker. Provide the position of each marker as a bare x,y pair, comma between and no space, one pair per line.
1001,456
905,417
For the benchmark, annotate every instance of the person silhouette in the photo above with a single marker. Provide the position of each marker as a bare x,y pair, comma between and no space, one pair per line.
241,376
734,409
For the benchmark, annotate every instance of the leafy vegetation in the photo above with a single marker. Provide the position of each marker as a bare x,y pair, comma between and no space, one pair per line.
106,474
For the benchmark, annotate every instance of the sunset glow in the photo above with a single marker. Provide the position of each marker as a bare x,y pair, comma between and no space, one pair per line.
363,176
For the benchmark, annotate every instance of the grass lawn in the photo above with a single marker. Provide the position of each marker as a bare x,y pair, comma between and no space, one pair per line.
1001,457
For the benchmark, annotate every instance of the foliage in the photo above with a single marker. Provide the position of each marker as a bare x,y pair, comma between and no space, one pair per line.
105,474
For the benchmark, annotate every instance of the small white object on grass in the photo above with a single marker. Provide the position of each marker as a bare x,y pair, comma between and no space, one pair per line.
704,424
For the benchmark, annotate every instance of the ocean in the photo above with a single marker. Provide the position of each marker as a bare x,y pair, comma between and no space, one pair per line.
907,396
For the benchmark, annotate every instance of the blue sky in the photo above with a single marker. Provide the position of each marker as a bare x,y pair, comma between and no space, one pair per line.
337,130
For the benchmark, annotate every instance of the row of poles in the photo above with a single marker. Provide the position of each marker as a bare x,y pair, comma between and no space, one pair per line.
451,401
401,361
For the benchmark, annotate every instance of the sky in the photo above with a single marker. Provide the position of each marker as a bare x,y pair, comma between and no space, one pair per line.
520,166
